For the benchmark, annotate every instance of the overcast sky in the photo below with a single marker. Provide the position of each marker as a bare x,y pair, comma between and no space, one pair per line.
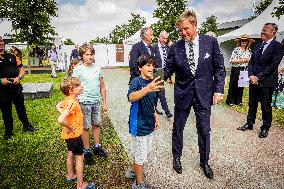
83,20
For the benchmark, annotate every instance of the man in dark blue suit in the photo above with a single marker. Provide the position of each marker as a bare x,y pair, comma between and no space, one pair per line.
161,51
262,71
141,48
199,71
75,53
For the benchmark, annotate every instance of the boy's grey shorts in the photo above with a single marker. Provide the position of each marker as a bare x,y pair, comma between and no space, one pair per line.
92,113
141,147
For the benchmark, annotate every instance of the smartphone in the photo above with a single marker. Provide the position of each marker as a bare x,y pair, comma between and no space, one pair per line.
159,72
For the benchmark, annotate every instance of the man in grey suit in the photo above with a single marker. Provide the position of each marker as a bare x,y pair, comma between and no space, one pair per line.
199,71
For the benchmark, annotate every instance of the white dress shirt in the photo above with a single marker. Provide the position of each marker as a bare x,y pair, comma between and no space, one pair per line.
195,49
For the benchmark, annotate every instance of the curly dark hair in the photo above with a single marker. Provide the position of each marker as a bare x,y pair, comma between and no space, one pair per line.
143,60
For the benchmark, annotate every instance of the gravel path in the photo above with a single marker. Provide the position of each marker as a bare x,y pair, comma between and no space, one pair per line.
238,159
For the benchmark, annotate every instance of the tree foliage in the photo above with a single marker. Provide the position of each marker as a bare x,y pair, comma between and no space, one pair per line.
100,40
167,12
279,11
209,25
262,5
124,31
30,19
68,41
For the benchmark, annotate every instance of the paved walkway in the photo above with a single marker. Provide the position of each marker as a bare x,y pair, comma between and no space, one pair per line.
238,159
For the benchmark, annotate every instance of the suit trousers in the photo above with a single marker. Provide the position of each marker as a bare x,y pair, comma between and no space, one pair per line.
15,96
163,100
203,129
264,96
235,93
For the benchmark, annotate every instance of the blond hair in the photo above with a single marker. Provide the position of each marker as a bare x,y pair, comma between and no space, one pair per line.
68,84
85,47
187,15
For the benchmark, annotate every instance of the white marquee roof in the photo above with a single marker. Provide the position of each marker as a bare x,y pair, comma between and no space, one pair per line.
253,28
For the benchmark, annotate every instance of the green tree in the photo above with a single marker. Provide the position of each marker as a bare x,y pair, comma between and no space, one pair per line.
30,19
262,5
279,11
209,25
68,41
167,12
100,40
121,32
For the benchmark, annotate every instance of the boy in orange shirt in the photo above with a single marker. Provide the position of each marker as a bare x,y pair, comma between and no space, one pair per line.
71,118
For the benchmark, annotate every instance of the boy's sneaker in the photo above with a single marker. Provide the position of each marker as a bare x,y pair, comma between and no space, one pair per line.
130,174
100,152
89,158
139,186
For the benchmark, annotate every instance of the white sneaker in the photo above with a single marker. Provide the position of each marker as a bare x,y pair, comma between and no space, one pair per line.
130,174
139,186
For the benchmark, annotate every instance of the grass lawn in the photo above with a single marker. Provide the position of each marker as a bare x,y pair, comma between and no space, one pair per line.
38,160
278,115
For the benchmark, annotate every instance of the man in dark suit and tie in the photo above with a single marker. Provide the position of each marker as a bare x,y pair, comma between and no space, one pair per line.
262,71
141,48
198,65
75,53
161,51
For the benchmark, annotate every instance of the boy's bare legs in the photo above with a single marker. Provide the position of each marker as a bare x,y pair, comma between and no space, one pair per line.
139,173
88,156
98,150
79,170
70,165
96,130
85,138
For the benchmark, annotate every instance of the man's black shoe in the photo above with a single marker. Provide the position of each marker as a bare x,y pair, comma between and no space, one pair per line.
29,129
207,171
7,137
169,115
159,112
263,133
246,127
100,152
177,165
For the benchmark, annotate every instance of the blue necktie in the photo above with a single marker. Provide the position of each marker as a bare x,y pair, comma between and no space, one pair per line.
191,61
149,49
261,47
164,48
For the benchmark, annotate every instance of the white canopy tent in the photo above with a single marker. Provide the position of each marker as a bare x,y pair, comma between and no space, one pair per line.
253,29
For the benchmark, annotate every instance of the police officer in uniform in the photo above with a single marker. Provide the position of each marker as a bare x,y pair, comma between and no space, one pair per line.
11,72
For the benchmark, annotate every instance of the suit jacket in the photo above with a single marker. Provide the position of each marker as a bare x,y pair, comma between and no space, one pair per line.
74,54
158,55
265,66
209,77
137,50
